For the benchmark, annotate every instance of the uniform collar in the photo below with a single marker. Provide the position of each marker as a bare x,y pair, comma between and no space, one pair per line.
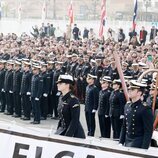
66,96
136,103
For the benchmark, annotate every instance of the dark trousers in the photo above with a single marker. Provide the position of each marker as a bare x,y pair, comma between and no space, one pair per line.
50,104
90,120
9,102
44,106
26,105
3,101
116,126
105,126
36,109
55,104
17,103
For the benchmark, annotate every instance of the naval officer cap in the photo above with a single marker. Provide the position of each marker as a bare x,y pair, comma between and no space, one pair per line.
3,61
117,81
134,84
106,79
91,76
65,79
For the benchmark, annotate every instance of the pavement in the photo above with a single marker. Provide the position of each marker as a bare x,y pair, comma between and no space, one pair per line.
49,124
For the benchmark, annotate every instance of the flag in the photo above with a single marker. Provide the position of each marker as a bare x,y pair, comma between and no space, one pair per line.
70,14
0,10
135,13
44,11
19,12
103,14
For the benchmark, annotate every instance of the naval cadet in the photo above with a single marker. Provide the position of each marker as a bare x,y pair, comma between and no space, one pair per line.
117,102
36,93
137,126
17,78
104,106
91,103
8,87
25,90
68,109
46,87
2,92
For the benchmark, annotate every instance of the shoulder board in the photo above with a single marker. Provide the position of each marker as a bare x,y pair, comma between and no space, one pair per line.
72,96
145,104
76,105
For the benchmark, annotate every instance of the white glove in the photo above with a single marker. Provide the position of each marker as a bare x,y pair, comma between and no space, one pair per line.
45,95
106,116
37,99
94,111
122,117
3,90
10,91
28,93
120,144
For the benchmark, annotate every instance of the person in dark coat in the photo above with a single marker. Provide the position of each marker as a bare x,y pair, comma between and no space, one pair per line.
17,78
76,32
36,93
2,92
46,86
117,103
103,107
68,109
25,91
137,126
142,36
91,103
8,87
153,33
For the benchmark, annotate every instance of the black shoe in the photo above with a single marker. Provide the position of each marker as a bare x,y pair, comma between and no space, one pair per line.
55,118
35,122
25,118
1,111
43,118
17,116
8,113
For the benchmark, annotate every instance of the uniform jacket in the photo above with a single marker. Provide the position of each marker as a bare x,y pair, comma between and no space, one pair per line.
117,103
69,112
8,82
17,77
36,86
46,82
92,97
2,77
137,125
104,105
26,82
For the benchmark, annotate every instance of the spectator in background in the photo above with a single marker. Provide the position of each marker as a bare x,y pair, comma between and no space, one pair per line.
142,36
153,33
121,35
85,33
76,32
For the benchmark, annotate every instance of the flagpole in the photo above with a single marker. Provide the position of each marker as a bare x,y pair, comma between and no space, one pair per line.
19,11
0,10
135,14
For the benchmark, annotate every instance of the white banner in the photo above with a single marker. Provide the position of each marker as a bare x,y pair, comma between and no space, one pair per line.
17,144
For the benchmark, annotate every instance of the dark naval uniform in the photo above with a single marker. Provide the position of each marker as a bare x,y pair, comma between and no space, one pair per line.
36,93
2,92
8,88
25,94
103,113
117,103
137,125
91,103
69,113
44,99
17,77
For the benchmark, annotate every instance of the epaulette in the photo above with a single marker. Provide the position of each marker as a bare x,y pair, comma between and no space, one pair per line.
145,104
72,96
76,105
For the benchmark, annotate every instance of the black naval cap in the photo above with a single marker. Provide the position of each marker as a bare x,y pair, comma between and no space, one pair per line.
65,79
